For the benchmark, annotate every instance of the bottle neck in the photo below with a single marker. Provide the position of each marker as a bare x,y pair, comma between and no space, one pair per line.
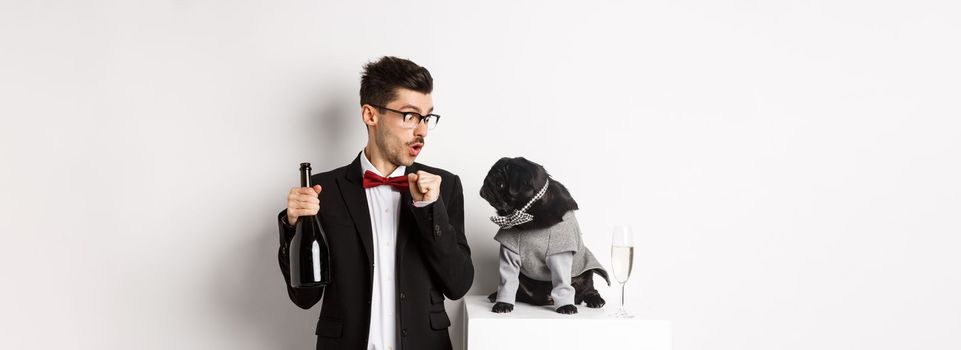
305,175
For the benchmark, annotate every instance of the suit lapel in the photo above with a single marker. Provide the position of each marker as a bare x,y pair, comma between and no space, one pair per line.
352,190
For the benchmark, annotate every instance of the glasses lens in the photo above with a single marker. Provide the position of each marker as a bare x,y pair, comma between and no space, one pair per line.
410,120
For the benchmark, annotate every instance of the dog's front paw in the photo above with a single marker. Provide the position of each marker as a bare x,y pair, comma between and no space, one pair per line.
567,309
594,301
502,308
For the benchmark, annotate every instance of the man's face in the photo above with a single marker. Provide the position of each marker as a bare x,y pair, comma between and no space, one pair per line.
400,145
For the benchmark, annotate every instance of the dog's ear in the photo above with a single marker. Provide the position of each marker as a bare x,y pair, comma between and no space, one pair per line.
500,163
528,162
539,174
563,197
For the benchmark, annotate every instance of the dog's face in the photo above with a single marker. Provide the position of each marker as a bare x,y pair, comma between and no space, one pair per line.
511,183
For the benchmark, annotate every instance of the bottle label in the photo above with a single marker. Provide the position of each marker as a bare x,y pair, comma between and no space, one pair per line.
315,251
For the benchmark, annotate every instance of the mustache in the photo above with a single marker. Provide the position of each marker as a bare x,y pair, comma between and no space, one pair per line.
418,139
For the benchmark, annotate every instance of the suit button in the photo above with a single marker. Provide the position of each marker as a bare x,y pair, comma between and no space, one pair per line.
402,296
403,332
436,230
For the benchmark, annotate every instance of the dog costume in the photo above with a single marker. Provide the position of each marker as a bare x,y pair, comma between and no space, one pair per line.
552,254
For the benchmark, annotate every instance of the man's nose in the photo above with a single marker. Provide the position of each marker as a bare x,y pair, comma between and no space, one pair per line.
420,129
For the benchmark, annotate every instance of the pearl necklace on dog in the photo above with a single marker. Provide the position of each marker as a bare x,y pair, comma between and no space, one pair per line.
520,216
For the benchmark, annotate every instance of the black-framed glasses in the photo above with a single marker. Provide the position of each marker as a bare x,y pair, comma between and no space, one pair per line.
409,122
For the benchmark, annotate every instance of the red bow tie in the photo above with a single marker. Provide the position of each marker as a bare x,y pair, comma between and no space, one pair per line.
374,180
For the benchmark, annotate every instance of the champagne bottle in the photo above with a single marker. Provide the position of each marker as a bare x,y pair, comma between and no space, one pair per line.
309,256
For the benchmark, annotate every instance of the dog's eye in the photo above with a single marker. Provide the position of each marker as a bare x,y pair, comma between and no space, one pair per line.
500,185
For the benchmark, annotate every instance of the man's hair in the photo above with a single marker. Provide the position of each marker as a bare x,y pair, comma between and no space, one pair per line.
381,79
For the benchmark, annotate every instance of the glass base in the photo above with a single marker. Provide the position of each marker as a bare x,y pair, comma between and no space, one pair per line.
621,313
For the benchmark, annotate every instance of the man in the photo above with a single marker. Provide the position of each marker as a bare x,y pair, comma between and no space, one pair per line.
395,228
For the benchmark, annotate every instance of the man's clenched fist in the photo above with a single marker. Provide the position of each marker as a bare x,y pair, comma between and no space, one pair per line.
302,201
424,186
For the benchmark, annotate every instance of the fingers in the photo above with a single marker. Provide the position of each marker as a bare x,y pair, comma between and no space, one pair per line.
427,182
311,208
306,195
411,180
303,201
296,213
308,191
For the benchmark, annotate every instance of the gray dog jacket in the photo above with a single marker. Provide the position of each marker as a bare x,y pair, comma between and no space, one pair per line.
533,248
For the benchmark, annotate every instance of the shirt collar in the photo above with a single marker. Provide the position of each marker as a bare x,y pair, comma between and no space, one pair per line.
365,165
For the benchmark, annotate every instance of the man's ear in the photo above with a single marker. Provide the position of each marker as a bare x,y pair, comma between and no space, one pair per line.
368,115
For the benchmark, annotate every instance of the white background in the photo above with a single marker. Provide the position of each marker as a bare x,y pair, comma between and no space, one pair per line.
790,167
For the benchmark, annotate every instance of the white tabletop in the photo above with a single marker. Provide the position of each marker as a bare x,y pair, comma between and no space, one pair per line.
478,307
537,327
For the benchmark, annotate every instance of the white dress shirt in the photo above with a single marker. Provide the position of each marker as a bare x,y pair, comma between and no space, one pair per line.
383,204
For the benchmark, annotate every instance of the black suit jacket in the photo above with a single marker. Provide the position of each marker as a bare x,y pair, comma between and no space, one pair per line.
433,261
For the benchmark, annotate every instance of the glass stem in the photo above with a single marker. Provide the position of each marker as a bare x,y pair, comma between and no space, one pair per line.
622,296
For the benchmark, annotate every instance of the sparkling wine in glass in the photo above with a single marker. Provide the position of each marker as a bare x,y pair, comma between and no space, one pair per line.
622,261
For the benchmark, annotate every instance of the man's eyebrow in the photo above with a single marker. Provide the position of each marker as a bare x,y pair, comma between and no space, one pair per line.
416,109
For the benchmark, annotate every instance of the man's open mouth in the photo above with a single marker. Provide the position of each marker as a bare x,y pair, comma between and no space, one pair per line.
414,149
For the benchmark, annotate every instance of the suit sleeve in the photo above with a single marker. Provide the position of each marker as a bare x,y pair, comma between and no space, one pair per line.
302,297
441,230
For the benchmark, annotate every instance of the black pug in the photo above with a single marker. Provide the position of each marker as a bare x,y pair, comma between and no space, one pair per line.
541,246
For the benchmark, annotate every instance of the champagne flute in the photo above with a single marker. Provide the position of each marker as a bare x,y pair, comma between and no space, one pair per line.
622,261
